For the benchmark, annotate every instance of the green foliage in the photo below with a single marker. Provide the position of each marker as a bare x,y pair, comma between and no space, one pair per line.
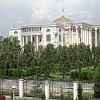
83,75
51,60
97,83
48,59
63,60
66,96
38,93
86,96
79,90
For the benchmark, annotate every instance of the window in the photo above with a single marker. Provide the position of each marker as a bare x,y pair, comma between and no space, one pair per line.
40,39
29,29
55,35
29,38
24,39
33,39
59,38
74,29
48,30
48,37
59,30
15,32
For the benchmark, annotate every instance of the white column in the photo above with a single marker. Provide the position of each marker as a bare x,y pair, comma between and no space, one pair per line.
58,39
19,38
99,37
62,39
95,36
31,38
77,38
51,38
47,90
90,38
72,36
81,35
45,39
21,88
75,87
85,37
23,40
26,39
37,44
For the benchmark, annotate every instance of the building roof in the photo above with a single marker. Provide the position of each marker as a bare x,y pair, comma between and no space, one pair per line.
62,19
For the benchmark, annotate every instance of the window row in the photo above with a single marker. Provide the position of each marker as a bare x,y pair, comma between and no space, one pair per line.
31,29
48,38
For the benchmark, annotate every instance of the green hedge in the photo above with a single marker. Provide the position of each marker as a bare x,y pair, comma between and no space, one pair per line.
24,71
84,75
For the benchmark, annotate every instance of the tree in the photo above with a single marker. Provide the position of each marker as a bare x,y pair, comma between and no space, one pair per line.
81,56
79,90
97,83
73,51
88,56
48,59
64,63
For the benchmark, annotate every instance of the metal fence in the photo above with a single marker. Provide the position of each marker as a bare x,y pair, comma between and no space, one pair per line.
56,87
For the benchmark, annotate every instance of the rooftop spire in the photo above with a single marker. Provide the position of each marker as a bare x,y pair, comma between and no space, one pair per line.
62,11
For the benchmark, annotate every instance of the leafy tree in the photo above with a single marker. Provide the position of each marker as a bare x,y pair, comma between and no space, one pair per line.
79,90
88,57
81,55
47,59
64,63
74,56
97,83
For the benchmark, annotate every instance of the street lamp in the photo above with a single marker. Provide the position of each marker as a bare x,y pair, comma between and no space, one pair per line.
13,90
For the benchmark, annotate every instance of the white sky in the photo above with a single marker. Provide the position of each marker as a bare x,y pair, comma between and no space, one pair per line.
21,12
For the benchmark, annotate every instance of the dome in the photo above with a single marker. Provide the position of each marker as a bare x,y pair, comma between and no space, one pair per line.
62,19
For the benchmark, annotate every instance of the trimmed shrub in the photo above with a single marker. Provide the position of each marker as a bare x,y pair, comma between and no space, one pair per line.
97,90
79,90
84,75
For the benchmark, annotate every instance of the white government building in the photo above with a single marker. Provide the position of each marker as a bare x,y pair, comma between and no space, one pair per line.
62,31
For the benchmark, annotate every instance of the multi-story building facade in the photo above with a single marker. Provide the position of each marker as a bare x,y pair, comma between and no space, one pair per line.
62,31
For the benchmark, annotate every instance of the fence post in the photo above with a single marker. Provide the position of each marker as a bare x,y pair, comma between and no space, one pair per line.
47,90
75,87
21,88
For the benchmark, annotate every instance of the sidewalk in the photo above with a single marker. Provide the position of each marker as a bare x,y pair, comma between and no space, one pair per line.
18,98
25,98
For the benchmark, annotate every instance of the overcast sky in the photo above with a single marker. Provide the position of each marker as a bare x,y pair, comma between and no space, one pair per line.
22,12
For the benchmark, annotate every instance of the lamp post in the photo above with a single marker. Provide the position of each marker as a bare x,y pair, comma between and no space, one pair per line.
13,90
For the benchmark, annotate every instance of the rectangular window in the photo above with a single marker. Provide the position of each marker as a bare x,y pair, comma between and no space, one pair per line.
33,39
55,35
29,38
29,29
59,38
48,37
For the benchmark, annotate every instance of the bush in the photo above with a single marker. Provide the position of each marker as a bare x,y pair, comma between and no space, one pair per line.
97,83
38,93
84,75
97,90
1,73
66,96
79,90
74,75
